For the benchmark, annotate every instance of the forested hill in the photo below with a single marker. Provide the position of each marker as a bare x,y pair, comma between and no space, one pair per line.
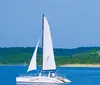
4,52
21,55
70,52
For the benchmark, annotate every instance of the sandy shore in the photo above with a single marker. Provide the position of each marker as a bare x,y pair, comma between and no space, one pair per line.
81,65
66,65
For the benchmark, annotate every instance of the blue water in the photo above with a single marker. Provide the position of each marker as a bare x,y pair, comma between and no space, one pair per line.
78,76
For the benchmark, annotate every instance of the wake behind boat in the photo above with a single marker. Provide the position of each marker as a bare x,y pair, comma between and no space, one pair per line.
48,61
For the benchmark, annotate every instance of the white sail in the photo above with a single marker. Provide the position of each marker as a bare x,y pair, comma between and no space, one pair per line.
32,65
48,54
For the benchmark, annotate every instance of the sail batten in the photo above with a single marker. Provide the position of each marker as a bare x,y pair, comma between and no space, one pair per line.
32,65
48,54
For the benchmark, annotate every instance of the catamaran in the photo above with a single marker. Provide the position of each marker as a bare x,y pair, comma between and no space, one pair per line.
48,61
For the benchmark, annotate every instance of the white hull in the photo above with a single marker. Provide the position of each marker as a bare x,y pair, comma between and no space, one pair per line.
40,79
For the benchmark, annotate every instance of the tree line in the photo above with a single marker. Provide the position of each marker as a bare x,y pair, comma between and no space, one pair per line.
22,55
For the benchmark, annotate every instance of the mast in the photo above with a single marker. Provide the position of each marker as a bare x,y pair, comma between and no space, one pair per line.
42,36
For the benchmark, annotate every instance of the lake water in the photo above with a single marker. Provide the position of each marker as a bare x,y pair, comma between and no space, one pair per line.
78,75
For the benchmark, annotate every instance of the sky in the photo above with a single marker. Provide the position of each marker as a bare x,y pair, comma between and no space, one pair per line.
73,23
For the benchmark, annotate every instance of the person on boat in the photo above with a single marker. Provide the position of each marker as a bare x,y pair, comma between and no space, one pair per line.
53,74
61,79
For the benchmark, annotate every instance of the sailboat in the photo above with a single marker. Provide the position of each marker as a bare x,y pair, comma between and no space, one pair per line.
48,60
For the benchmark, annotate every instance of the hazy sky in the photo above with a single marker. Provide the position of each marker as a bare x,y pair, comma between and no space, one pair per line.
74,23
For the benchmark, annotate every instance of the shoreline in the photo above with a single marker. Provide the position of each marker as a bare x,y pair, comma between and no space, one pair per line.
80,65
13,65
65,65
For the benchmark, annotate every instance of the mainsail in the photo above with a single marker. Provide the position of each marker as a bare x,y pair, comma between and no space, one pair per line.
32,65
48,54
